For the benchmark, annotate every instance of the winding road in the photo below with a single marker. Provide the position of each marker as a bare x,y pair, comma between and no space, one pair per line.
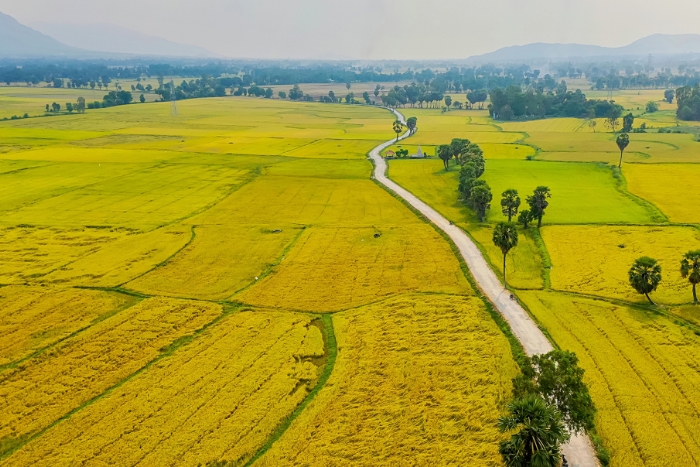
578,451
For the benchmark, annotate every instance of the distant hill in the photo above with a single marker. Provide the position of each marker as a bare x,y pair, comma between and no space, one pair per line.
17,40
110,38
657,44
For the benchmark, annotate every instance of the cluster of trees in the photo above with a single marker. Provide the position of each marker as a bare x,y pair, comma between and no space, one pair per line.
71,107
688,102
512,102
550,401
645,274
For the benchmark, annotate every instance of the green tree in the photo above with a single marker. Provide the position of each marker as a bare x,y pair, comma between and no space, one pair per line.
468,173
398,128
538,203
448,102
622,142
540,433
652,107
627,122
668,95
510,202
505,237
376,90
80,106
282,95
612,118
524,218
268,93
557,378
69,107
445,154
347,85
295,93
411,124
690,269
142,98
365,96
645,275
480,197
592,124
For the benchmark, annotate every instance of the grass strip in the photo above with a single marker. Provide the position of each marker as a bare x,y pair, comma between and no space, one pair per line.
331,348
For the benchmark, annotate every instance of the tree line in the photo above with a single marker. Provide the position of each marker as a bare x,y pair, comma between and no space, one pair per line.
512,102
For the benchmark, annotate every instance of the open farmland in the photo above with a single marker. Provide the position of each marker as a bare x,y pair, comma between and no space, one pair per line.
200,287
572,274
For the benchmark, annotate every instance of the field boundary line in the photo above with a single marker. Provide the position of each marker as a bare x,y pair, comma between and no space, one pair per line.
165,352
135,300
331,348
579,449
193,235
621,185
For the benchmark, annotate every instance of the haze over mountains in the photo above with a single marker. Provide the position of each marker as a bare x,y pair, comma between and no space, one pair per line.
85,41
104,37
112,41
657,44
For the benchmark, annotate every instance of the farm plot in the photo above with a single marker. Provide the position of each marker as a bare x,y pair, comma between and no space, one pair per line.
670,187
479,137
31,253
34,318
430,373
305,201
144,196
119,261
40,391
220,396
332,269
595,259
221,260
581,193
642,372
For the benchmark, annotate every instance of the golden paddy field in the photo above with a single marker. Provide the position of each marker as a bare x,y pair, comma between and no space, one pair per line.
230,285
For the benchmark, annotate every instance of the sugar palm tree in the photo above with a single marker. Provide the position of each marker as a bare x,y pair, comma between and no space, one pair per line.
505,237
398,128
690,269
622,142
541,432
645,275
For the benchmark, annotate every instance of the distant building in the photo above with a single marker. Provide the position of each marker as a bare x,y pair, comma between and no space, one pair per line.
418,155
389,154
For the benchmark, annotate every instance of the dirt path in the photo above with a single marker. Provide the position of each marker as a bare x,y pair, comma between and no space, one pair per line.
578,451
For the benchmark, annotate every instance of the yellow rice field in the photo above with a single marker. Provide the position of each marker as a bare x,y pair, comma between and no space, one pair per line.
642,372
418,380
34,318
670,187
173,269
40,391
220,397
595,259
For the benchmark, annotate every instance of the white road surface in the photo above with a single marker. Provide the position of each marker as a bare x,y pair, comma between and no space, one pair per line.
578,451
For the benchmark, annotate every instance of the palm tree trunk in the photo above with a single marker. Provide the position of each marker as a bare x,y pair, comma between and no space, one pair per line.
649,298
695,295
505,286
620,164
539,222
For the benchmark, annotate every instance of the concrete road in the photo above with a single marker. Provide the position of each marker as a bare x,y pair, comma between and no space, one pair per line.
578,451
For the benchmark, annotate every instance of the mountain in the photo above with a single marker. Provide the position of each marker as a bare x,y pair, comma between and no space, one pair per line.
109,38
17,40
657,44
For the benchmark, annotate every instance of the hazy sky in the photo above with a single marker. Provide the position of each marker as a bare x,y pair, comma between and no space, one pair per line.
373,29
